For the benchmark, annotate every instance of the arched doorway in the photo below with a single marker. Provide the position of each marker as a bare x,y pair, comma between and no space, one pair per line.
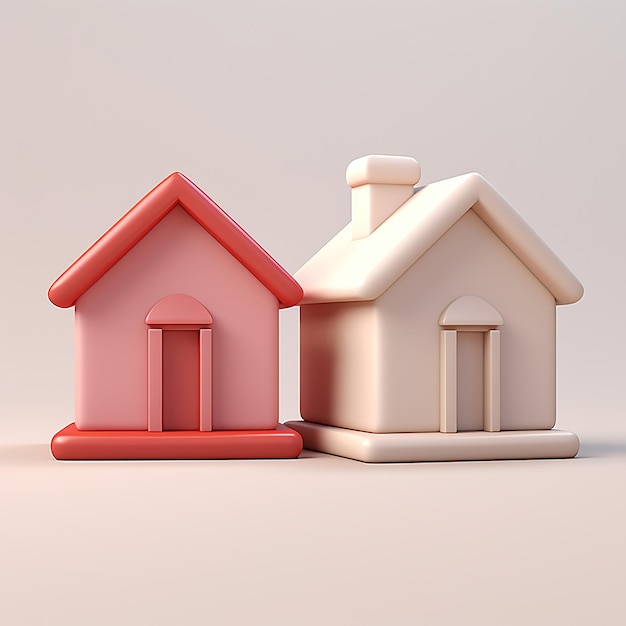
179,365
470,366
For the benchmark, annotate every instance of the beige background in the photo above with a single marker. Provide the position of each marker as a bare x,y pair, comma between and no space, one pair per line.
263,104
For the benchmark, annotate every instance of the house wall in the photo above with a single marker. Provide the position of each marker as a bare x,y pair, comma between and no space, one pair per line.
375,366
468,260
339,348
176,256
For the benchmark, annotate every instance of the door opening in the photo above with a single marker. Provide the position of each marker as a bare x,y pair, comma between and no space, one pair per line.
470,385
180,363
470,366
181,380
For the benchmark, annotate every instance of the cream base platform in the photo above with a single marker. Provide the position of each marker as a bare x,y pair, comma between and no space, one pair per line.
415,447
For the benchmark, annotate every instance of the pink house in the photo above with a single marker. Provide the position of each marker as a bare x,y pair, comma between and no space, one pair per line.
176,336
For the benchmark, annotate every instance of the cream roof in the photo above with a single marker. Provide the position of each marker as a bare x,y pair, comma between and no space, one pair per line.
350,270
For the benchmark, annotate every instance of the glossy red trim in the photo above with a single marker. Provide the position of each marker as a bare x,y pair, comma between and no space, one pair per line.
175,190
71,444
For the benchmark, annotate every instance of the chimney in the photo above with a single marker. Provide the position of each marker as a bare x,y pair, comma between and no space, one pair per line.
380,185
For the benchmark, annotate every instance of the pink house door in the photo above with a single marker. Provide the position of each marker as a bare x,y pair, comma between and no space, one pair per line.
179,365
181,379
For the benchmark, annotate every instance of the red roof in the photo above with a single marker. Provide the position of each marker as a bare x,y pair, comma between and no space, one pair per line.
175,190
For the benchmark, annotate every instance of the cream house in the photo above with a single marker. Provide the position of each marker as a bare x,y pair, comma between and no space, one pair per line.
428,325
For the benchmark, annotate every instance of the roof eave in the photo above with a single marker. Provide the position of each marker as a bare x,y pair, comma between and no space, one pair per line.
469,191
176,189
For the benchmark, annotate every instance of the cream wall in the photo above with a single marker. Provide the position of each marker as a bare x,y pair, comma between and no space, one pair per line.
339,349
375,366
468,260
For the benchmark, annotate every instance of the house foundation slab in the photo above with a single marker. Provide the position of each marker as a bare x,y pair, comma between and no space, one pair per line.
420,447
71,444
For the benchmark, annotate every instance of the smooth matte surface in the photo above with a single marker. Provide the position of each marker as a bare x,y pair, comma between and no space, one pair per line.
181,380
470,311
424,447
315,540
383,169
176,256
178,310
375,366
470,381
349,269
155,379
263,104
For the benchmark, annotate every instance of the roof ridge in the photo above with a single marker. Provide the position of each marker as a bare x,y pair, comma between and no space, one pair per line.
124,234
350,270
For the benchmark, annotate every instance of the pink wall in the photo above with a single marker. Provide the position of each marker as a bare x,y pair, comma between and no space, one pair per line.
176,256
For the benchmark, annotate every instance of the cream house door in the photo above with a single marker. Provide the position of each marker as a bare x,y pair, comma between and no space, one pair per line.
470,366
470,381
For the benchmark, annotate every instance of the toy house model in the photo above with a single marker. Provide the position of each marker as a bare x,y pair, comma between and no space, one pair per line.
176,334
428,325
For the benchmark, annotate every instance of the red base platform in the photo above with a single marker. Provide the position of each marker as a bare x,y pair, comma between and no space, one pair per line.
71,444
